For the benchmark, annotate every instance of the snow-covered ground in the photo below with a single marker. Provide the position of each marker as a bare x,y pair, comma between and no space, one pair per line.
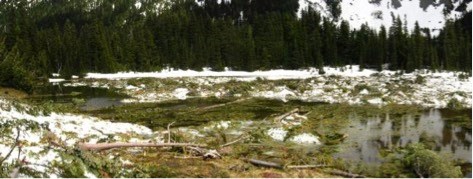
41,134
36,132
348,84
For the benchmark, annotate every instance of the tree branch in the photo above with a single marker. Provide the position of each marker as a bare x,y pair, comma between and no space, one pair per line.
14,145
235,141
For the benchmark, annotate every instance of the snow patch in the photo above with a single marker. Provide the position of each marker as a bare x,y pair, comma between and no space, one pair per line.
277,133
180,93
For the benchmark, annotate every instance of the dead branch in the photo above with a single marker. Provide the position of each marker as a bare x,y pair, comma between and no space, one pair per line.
306,166
281,117
107,146
187,157
235,141
345,174
224,104
264,163
14,145
169,131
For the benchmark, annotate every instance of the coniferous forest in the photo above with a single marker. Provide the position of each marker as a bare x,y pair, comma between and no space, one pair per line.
73,37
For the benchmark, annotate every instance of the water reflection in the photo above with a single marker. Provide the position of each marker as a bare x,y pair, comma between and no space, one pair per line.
368,136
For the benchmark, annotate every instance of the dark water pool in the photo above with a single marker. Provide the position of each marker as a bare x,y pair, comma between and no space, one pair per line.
88,97
367,137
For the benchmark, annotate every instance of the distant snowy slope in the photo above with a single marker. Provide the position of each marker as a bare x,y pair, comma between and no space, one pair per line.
429,13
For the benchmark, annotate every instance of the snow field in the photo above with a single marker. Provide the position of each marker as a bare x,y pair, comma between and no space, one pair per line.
348,84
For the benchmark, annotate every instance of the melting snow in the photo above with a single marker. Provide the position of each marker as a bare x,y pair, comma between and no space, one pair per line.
277,133
306,138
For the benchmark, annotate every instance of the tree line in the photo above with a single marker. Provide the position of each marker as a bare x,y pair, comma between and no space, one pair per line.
40,37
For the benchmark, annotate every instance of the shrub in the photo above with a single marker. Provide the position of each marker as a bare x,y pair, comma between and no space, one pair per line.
417,161
454,103
420,79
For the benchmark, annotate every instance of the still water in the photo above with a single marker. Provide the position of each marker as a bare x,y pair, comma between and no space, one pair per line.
89,98
368,136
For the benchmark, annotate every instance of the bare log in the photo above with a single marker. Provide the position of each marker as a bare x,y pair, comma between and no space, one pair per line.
281,117
264,163
345,174
107,146
224,104
306,166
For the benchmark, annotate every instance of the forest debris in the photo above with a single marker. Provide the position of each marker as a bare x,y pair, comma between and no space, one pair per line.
107,146
264,163
278,119
206,154
212,154
345,174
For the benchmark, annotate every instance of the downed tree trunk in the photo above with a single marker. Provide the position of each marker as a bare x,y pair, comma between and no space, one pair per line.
107,146
281,117
264,163
306,166
345,174
224,104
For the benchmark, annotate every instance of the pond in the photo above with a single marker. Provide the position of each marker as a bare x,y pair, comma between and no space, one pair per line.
367,137
90,98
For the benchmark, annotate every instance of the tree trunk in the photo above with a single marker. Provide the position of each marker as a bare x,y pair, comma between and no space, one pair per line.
107,146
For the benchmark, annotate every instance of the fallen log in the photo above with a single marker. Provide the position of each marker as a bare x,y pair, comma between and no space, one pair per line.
224,104
306,166
264,163
107,146
345,174
281,117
